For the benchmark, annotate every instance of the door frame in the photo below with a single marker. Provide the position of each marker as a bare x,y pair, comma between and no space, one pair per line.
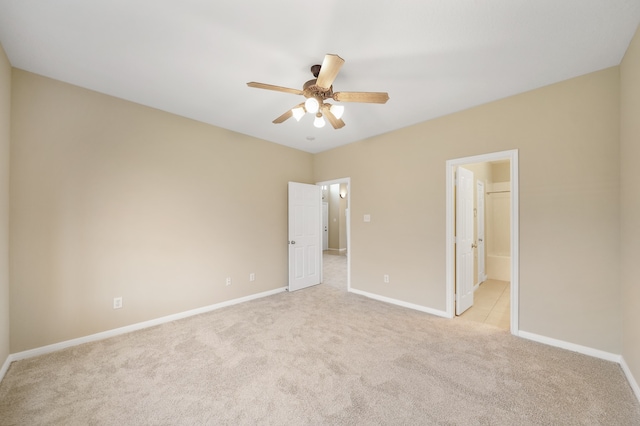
512,156
346,180
325,225
480,219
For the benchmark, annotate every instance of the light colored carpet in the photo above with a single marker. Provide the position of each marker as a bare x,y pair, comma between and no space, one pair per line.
316,356
334,269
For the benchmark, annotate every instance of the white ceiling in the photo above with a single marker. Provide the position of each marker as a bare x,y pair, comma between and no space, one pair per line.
434,57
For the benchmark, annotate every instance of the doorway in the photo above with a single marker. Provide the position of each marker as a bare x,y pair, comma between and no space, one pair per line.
503,266
336,254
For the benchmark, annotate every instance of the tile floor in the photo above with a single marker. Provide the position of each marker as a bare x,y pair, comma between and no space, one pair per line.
491,304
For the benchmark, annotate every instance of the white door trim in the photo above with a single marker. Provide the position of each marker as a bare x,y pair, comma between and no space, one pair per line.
480,218
346,180
512,156
325,225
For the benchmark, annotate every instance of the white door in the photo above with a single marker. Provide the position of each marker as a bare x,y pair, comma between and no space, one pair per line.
325,226
464,240
482,276
305,254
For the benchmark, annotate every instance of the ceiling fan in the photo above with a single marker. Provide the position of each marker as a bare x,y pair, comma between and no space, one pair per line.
320,89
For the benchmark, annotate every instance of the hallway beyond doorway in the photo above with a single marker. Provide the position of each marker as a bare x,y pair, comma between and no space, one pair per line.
334,269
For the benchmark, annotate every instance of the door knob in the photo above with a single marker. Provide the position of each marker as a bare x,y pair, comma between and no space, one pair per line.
292,242
474,245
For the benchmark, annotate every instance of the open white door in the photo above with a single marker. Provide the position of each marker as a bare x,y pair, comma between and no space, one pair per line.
464,240
305,235
325,226
482,276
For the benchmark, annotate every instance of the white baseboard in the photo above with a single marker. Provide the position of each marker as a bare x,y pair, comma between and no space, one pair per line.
5,367
585,350
401,303
129,328
632,381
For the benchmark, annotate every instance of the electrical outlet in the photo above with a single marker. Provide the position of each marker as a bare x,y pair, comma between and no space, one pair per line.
252,276
228,280
117,302
386,278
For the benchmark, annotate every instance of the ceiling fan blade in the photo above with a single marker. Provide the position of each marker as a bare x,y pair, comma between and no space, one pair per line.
287,114
329,70
275,88
337,123
367,97
283,117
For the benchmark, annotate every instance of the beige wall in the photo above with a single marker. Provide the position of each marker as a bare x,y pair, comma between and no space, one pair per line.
342,220
110,198
5,108
499,219
334,214
630,204
337,217
567,135
501,171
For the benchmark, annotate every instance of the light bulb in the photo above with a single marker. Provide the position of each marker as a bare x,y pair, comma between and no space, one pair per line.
298,113
319,121
311,105
337,111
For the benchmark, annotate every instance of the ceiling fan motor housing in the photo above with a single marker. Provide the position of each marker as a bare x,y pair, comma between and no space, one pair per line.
311,89
315,70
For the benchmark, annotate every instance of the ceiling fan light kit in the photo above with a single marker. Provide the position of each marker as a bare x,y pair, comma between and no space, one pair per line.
298,113
312,105
319,121
320,89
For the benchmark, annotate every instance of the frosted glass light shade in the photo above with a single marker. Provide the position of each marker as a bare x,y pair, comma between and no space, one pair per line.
311,105
319,122
298,113
337,111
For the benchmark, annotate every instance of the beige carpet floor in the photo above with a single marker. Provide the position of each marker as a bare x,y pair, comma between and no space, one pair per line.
334,269
319,356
